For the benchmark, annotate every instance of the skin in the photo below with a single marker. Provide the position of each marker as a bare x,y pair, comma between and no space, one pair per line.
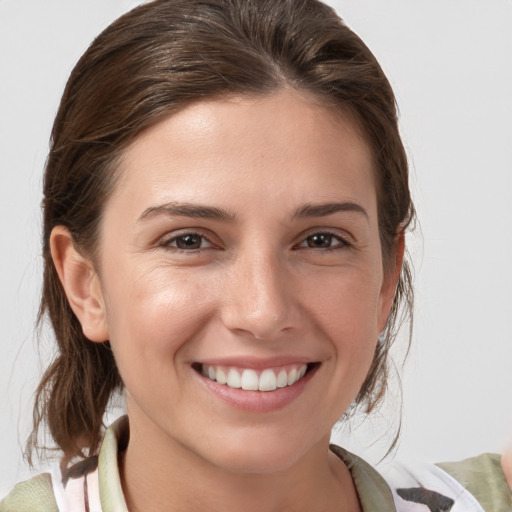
259,287
506,463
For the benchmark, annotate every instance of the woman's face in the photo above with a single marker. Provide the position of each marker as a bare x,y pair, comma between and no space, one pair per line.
242,244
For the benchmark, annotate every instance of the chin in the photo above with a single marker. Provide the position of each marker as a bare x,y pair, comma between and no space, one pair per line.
258,455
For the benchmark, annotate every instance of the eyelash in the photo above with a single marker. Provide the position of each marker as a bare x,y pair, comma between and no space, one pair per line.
171,243
343,243
168,243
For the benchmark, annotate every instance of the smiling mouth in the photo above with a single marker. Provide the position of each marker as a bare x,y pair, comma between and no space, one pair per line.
249,379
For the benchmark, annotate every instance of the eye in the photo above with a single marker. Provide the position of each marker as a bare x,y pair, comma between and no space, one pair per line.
324,240
187,242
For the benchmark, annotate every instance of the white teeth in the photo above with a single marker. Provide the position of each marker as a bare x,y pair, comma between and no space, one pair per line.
292,377
234,380
282,379
268,381
222,378
249,380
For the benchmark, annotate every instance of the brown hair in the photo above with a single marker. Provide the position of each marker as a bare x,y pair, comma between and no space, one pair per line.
150,63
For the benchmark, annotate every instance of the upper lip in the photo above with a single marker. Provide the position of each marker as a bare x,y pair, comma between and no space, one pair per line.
256,363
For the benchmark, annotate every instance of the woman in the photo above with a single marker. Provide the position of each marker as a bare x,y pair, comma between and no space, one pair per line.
225,207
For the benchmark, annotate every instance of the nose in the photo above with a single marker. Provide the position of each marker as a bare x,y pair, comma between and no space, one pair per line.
259,299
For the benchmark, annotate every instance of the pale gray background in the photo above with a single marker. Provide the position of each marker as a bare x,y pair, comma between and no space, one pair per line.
450,64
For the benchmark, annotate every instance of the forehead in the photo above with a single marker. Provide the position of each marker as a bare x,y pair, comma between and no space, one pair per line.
286,146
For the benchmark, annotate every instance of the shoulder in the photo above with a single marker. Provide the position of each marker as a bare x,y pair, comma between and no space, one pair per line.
34,495
477,485
483,477
75,490
472,485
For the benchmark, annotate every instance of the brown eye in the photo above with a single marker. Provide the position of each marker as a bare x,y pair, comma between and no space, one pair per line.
324,241
188,242
319,240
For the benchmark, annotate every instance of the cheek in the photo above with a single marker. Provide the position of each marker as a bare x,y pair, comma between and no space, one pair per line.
347,306
347,313
154,313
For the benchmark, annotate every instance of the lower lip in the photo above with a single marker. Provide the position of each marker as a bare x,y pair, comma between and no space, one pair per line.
259,401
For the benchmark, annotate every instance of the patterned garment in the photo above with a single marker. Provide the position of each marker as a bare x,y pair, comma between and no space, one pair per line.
94,485
418,488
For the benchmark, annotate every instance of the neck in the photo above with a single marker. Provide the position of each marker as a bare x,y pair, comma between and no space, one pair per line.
166,476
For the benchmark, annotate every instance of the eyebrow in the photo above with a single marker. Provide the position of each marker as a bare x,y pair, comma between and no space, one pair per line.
188,210
210,212
324,209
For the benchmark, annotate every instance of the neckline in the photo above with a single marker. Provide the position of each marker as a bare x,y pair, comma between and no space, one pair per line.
373,491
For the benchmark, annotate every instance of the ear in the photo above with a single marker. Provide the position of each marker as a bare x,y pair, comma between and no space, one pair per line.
81,285
391,276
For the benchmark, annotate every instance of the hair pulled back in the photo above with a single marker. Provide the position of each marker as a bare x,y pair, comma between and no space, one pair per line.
150,63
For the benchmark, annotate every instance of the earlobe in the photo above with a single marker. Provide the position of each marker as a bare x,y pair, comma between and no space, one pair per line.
81,284
391,277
